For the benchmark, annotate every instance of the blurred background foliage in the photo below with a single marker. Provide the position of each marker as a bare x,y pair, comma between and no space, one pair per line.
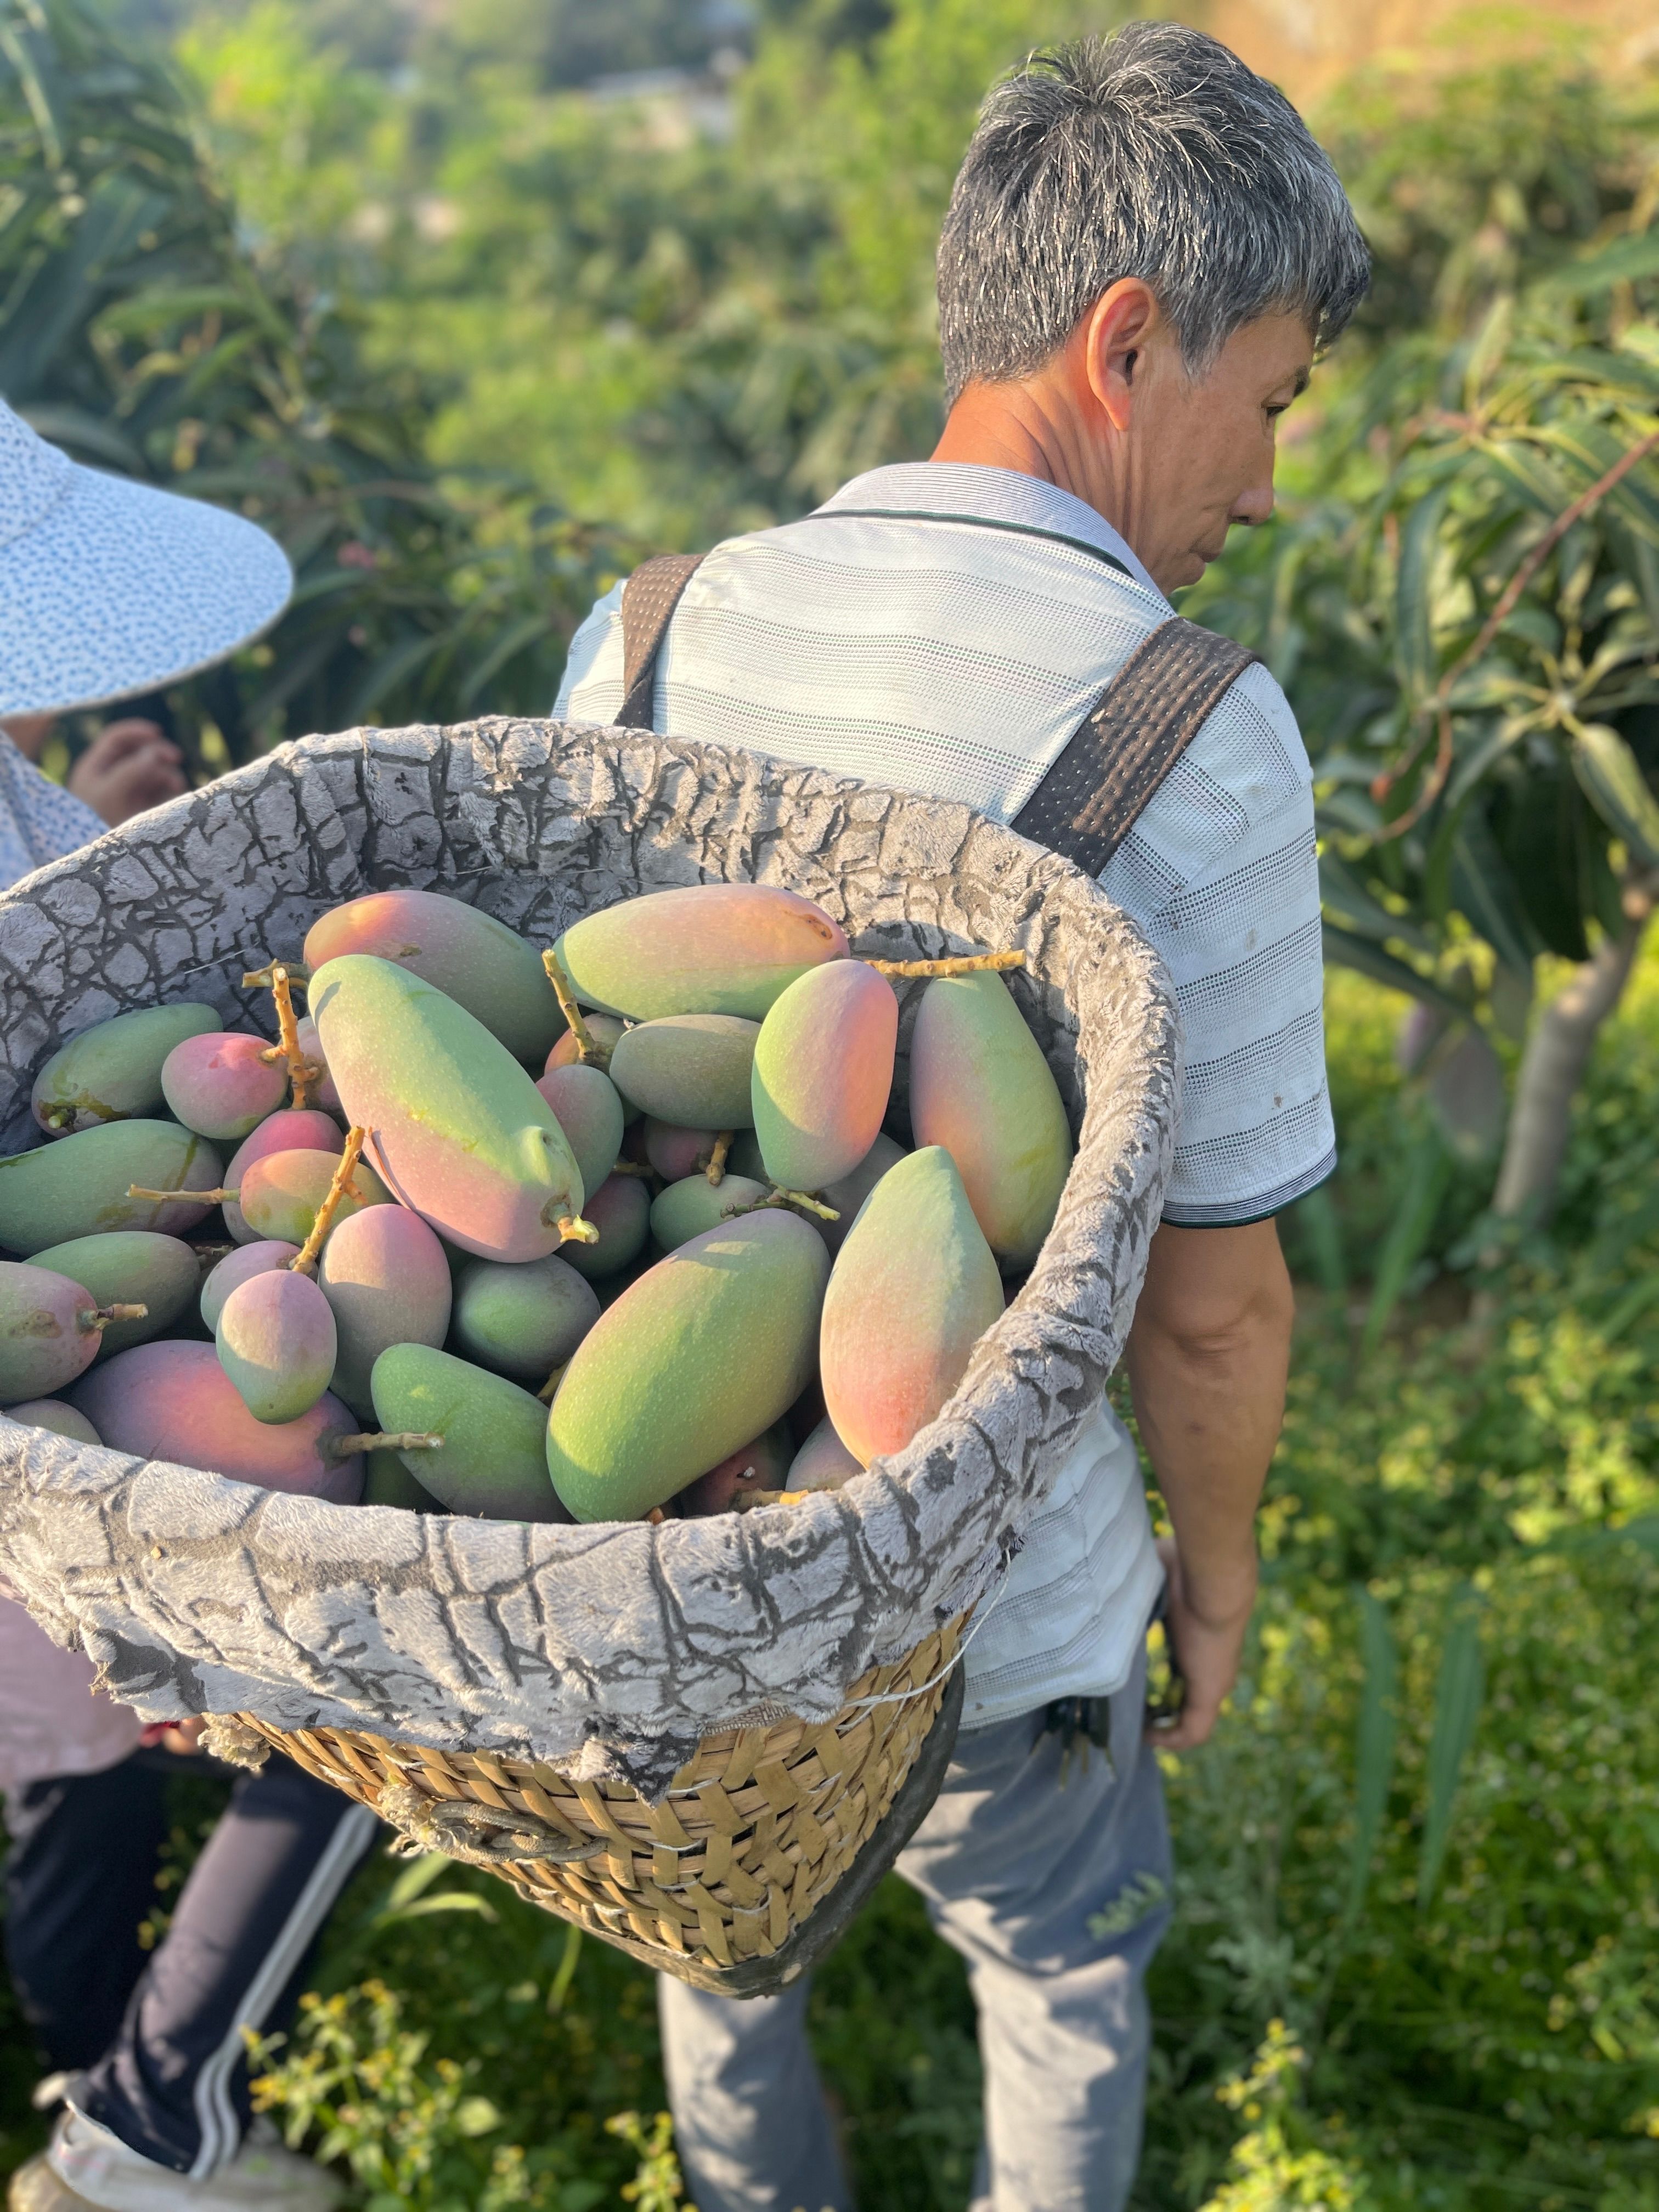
473,304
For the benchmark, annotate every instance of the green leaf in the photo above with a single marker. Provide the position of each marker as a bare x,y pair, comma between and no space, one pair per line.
1456,1708
1414,653
1342,892
1348,951
1612,780
1428,1173
1374,1742
1484,892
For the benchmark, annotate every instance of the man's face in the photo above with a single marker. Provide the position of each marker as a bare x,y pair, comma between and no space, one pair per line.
1203,445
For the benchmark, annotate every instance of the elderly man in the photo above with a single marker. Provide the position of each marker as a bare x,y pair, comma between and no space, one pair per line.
1144,253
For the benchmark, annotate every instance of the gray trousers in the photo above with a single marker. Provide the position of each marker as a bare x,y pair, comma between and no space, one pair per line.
1013,1864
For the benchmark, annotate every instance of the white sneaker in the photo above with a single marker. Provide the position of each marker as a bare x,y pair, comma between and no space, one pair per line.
86,2165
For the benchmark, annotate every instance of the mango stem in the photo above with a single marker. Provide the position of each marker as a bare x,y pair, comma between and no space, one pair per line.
800,1201
716,1170
334,1446
573,1230
545,1394
279,978
633,1168
588,1047
100,1317
196,1197
964,963
304,1261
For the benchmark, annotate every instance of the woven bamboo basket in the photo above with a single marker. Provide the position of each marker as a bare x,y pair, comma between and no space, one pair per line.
703,1741
766,1830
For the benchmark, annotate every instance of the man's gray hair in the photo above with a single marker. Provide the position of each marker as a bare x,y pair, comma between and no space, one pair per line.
1156,153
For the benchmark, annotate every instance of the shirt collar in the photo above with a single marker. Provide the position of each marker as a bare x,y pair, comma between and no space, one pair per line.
1005,495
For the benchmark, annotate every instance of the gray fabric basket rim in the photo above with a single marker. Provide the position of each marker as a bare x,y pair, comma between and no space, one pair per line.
607,1650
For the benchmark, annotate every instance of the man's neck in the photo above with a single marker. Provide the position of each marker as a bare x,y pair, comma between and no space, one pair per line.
1020,426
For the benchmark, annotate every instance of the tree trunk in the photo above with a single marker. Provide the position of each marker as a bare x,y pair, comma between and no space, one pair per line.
1552,1068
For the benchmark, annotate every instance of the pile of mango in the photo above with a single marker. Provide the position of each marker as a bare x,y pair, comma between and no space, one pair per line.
608,1232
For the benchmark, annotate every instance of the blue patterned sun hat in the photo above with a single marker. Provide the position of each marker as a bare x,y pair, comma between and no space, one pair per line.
109,587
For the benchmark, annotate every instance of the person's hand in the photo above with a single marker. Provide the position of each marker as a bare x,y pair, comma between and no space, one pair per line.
129,766
182,1737
1207,1641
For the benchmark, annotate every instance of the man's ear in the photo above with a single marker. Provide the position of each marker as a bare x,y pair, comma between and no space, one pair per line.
1115,333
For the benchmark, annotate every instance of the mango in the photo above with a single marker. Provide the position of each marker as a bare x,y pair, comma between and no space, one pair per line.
761,1465
603,1029
112,1072
458,1130
468,955
240,1266
674,1152
279,1196
275,1340
221,1085
620,1209
588,1107
492,1462
294,1129
385,1275
387,1481
705,1351
687,1208
522,1322
690,1069
324,1093
848,1195
711,949
53,1414
172,1400
131,1266
48,1331
822,1463
78,1187
915,1287
822,1073
979,1087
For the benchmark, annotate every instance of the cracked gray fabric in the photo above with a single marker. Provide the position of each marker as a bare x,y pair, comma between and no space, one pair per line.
609,1650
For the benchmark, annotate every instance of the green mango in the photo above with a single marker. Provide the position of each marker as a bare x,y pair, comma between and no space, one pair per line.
48,1331
702,1355
709,949
522,1322
53,1414
459,1131
78,1187
685,1209
112,1072
493,1461
387,1481
131,1266
587,1107
690,1069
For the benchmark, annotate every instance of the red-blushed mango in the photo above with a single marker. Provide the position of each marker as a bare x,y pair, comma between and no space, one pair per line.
275,1340
522,1322
130,1268
112,1072
310,1044
685,1209
240,1266
78,1187
979,1087
848,1195
296,1129
822,1073
278,1195
915,1287
468,955
221,1085
691,1070
588,1107
674,1152
53,1414
174,1401
387,1481
702,1355
620,1209
385,1275
761,1465
822,1463
458,1129
711,949
492,1462
48,1331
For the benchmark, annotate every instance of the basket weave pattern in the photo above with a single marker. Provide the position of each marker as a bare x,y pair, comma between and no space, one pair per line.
756,1829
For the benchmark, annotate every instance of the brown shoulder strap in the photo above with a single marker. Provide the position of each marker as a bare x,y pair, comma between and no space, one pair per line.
649,599
1143,721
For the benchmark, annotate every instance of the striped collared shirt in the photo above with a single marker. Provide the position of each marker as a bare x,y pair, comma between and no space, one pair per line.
946,628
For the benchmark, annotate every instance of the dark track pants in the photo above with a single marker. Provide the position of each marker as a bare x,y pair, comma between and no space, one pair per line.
160,2039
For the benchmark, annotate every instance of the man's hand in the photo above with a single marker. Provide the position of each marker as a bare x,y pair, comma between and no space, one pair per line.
1207,1358
128,768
